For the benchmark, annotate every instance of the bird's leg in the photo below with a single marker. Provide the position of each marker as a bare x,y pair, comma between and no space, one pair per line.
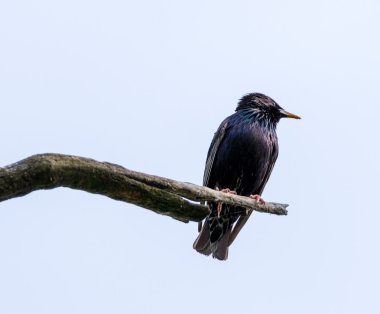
219,207
258,199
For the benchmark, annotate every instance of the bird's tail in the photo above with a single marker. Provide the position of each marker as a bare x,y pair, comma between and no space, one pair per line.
218,249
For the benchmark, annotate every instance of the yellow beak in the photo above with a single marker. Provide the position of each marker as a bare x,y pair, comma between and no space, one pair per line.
286,114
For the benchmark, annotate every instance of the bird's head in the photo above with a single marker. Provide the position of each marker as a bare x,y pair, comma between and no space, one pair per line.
263,108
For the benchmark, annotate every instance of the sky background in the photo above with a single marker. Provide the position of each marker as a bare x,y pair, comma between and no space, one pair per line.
145,84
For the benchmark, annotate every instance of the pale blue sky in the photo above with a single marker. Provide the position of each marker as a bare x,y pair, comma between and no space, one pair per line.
145,85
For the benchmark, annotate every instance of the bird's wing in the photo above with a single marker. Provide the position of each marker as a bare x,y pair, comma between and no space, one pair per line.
216,141
271,161
214,146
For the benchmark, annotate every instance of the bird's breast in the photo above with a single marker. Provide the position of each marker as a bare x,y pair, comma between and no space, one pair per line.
243,159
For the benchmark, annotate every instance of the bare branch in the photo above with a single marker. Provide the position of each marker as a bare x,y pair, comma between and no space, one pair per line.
161,195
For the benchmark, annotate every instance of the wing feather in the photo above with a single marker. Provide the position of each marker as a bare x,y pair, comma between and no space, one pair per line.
215,144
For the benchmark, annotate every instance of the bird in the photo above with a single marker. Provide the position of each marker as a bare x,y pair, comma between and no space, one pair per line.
240,161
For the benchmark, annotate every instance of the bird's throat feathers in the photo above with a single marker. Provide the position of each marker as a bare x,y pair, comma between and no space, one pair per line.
258,117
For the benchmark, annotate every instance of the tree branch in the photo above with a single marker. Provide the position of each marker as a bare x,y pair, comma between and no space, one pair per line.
161,195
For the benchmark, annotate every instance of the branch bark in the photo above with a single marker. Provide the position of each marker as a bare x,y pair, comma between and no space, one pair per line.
161,195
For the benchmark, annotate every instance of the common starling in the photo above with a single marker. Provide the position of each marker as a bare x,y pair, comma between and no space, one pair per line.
240,160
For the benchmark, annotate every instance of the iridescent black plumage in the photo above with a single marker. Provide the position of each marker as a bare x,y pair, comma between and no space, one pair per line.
241,158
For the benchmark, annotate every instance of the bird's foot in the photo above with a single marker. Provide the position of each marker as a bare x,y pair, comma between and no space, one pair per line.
228,191
258,199
219,207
